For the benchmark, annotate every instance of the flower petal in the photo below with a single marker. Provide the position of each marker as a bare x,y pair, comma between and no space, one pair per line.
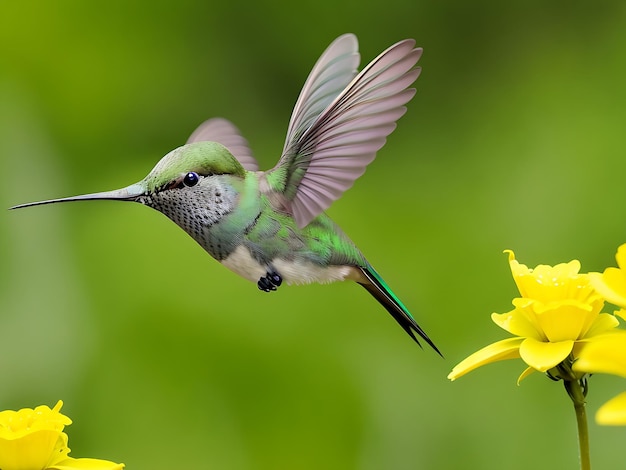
604,354
611,285
526,373
550,283
604,323
565,320
29,451
86,464
543,355
518,271
499,351
613,412
15,424
620,256
516,322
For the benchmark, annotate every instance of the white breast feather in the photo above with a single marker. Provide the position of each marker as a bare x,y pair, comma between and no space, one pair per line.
293,272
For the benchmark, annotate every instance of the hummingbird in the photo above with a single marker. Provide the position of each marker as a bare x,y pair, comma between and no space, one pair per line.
270,226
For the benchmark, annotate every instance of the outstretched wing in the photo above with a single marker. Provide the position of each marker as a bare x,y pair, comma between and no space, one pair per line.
224,132
323,159
332,72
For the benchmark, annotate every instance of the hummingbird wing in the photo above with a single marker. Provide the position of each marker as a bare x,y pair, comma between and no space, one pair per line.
332,72
325,154
224,132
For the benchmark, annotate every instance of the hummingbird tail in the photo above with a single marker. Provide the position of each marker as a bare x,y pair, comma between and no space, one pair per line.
381,292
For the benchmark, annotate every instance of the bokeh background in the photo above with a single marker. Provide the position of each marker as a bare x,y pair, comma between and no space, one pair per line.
164,359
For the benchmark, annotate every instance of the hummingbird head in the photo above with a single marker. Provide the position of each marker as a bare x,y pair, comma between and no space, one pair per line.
192,185
176,170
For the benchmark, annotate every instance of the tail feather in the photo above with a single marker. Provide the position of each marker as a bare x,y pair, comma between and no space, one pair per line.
381,292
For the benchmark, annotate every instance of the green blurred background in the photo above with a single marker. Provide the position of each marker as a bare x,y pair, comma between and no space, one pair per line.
164,359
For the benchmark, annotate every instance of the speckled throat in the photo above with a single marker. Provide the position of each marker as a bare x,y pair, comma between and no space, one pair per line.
196,209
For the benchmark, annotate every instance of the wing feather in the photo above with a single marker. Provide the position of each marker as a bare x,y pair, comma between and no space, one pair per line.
224,132
332,72
324,154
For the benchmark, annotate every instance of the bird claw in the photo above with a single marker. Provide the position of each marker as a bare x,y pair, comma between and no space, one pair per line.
270,282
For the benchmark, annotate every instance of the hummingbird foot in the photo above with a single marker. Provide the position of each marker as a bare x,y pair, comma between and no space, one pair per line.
270,282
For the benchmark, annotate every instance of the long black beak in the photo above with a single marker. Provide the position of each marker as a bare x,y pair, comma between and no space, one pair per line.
129,193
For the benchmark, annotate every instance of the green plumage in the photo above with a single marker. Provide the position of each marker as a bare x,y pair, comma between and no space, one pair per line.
268,238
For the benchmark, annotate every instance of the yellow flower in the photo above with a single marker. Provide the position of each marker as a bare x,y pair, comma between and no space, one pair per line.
33,439
557,314
608,357
611,284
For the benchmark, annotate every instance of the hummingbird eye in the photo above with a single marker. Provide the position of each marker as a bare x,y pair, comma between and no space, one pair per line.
191,179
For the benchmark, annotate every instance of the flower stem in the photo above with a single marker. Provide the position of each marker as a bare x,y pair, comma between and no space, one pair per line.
577,389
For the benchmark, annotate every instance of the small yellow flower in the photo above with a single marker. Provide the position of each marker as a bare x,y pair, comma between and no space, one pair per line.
608,357
33,439
557,314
